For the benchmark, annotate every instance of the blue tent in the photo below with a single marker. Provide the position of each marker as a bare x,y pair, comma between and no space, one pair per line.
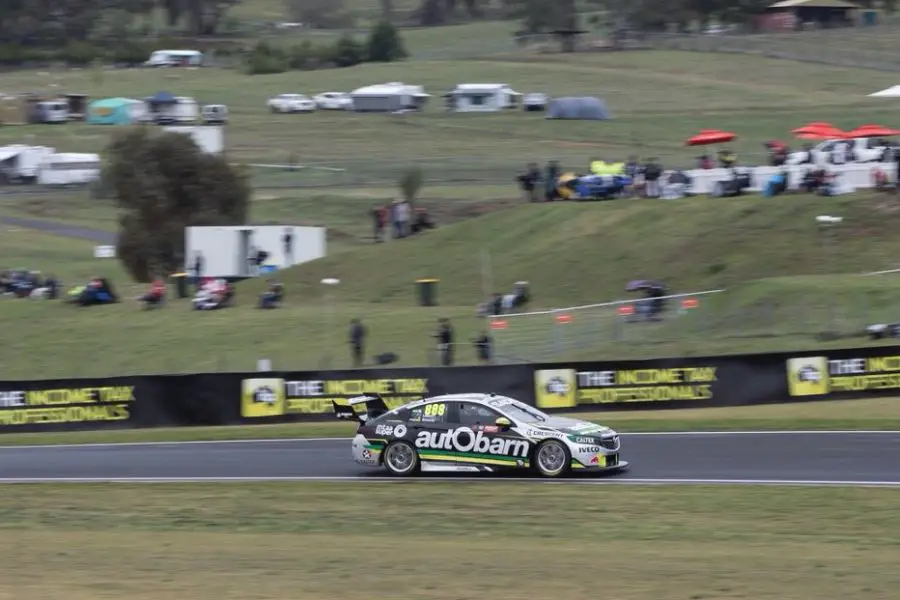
111,111
584,108
162,98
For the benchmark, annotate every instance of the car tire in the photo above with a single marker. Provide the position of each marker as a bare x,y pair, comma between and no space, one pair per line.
401,459
552,458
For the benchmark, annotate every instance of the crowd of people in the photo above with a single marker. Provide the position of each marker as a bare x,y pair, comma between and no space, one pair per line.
399,219
23,283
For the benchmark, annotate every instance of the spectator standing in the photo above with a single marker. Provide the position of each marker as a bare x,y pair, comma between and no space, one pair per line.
287,240
444,336
357,342
529,182
379,219
198,270
482,345
403,217
652,175
552,175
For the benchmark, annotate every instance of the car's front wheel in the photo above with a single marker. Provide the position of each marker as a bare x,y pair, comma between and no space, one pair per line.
401,459
552,458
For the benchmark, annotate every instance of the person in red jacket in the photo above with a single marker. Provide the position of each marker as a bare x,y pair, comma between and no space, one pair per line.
155,295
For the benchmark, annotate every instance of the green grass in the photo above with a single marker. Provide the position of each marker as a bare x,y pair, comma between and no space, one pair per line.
867,47
444,541
572,254
881,414
757,98
344,211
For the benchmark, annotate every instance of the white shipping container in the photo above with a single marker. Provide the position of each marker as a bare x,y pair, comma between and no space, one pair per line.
226,250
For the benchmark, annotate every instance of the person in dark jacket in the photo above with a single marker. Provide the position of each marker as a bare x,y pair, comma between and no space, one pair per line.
357,342
529,181
482,345
287,240
552,174
444,337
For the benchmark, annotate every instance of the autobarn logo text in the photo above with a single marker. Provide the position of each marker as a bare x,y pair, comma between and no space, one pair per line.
467,440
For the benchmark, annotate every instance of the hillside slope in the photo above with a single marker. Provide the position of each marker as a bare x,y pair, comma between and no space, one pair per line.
582,253
572,254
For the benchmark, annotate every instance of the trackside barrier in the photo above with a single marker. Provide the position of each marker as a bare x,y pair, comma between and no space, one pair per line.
278,397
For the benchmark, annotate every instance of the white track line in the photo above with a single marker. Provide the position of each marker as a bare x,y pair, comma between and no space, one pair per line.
338,479
340,439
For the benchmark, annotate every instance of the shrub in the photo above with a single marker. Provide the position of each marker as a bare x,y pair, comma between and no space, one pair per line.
348,52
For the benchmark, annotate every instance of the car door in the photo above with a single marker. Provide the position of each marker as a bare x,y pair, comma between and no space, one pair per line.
487,445
432,426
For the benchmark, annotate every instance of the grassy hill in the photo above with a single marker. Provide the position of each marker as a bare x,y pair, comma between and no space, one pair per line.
658,99
571,253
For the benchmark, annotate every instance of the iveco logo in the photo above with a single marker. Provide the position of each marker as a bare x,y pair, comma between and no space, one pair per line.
809,374
558,386
265,395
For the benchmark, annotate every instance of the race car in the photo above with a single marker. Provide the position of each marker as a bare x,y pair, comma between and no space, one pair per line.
475,433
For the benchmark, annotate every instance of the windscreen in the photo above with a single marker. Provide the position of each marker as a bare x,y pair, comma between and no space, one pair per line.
523,412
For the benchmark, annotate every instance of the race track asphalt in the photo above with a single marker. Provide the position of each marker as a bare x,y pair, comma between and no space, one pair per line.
821,458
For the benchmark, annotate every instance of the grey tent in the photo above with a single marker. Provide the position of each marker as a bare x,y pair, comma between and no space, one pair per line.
584,108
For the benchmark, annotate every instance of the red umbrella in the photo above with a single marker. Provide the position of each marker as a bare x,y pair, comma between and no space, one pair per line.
819,131
866,131
818,125
711,136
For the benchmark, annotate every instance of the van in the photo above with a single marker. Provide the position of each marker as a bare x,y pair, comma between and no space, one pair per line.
53,111
214,113
175,58
183,110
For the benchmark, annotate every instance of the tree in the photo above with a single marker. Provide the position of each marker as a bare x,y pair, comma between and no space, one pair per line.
163,183
348,52
411,184
385,43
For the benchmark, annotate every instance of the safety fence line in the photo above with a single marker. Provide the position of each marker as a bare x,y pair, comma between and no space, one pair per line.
614,303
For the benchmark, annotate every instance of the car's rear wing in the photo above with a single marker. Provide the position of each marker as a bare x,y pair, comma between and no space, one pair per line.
373,403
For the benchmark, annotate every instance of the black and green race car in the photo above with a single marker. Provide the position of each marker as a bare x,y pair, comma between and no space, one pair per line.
464,433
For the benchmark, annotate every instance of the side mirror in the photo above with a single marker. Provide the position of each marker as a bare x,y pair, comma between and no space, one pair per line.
503,424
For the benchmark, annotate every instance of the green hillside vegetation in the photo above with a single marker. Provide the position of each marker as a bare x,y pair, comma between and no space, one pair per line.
571,253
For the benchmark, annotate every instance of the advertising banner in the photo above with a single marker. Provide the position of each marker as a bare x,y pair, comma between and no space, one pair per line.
290,396
669,383
844,373
67,404
117,403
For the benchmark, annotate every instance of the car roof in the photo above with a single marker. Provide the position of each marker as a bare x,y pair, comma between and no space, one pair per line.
471,397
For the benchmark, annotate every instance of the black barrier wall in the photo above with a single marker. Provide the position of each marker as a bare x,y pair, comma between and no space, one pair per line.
278,397
739,380
299,396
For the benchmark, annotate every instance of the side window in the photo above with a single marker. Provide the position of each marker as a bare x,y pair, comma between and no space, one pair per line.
475,414
436,412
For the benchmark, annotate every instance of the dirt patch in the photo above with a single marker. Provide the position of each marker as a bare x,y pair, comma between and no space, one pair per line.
451,210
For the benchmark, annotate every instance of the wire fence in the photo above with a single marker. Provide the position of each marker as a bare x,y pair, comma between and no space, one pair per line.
705,321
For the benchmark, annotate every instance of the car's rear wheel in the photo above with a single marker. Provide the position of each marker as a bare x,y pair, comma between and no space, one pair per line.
401,459
552,458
